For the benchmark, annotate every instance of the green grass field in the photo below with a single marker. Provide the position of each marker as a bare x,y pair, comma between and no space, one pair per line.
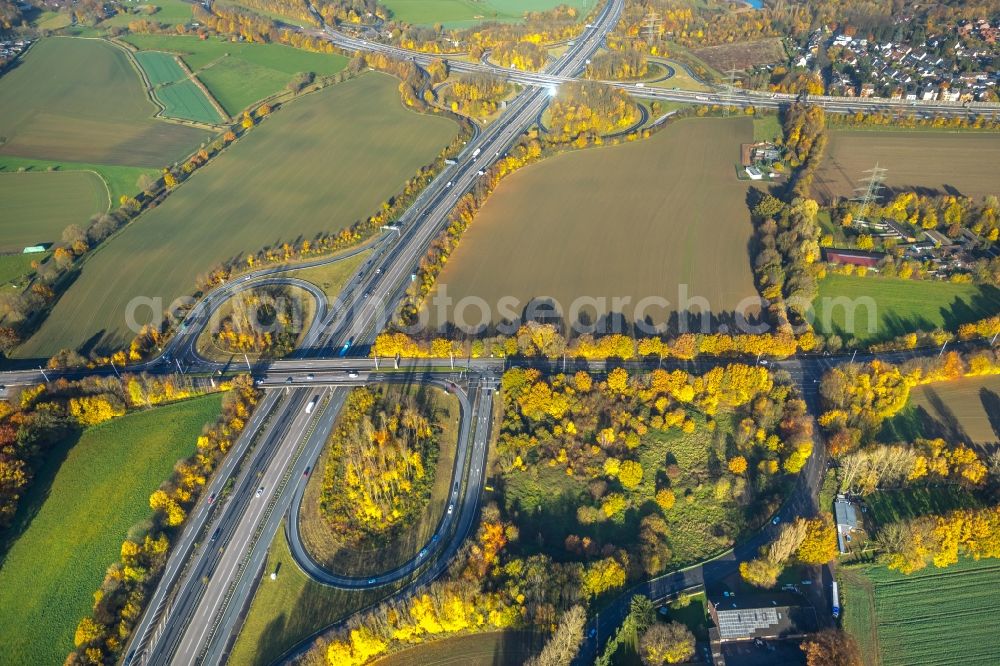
893,307
465,13
121,180
663,218
97,494
181,97
92,109
184,99
238,75
170,12
317,165
290,608
13,266
896,505
39,205
934,616
767,128
963,410
160,67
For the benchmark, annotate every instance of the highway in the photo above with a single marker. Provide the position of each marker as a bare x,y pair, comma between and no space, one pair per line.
721,95
198,608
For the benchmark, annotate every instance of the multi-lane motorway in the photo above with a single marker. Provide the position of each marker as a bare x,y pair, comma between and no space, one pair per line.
195,611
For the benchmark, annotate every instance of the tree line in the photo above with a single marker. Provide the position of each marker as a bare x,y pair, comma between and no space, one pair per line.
101,636
858,398
38,417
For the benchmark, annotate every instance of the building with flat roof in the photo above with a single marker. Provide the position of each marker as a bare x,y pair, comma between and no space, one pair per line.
766,617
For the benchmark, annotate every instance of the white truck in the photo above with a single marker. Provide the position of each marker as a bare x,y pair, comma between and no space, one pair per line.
475,153
312,405
836,601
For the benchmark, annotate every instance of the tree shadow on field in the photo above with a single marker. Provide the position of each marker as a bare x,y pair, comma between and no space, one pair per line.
51,460
991,404
949,427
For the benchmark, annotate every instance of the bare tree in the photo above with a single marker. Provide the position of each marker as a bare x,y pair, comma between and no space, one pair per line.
565,642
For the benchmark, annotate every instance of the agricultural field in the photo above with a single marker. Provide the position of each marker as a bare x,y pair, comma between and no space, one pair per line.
38,206
184,99
328,548
944,162
643,219
92,109
180,96
291,607
466,13
933,616
496,648
78,510
120,180
317,165
900,306
238,75
160,67
965,410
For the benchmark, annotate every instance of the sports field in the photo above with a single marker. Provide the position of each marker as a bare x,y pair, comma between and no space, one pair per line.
945,162
87,497
92,108
317,165
646,219
238,75
886,307
966,410
465,13
38,206
933,616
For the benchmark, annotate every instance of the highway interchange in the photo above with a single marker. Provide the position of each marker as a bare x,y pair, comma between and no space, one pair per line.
196,610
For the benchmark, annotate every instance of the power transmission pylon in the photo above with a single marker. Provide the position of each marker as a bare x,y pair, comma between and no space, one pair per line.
651,26
870,190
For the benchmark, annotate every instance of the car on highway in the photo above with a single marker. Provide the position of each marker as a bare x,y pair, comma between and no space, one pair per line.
776,520
451,509
216,533
422,553
211,498
310,376
448,185
260,491
371,581
435,538
305,472
352,374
